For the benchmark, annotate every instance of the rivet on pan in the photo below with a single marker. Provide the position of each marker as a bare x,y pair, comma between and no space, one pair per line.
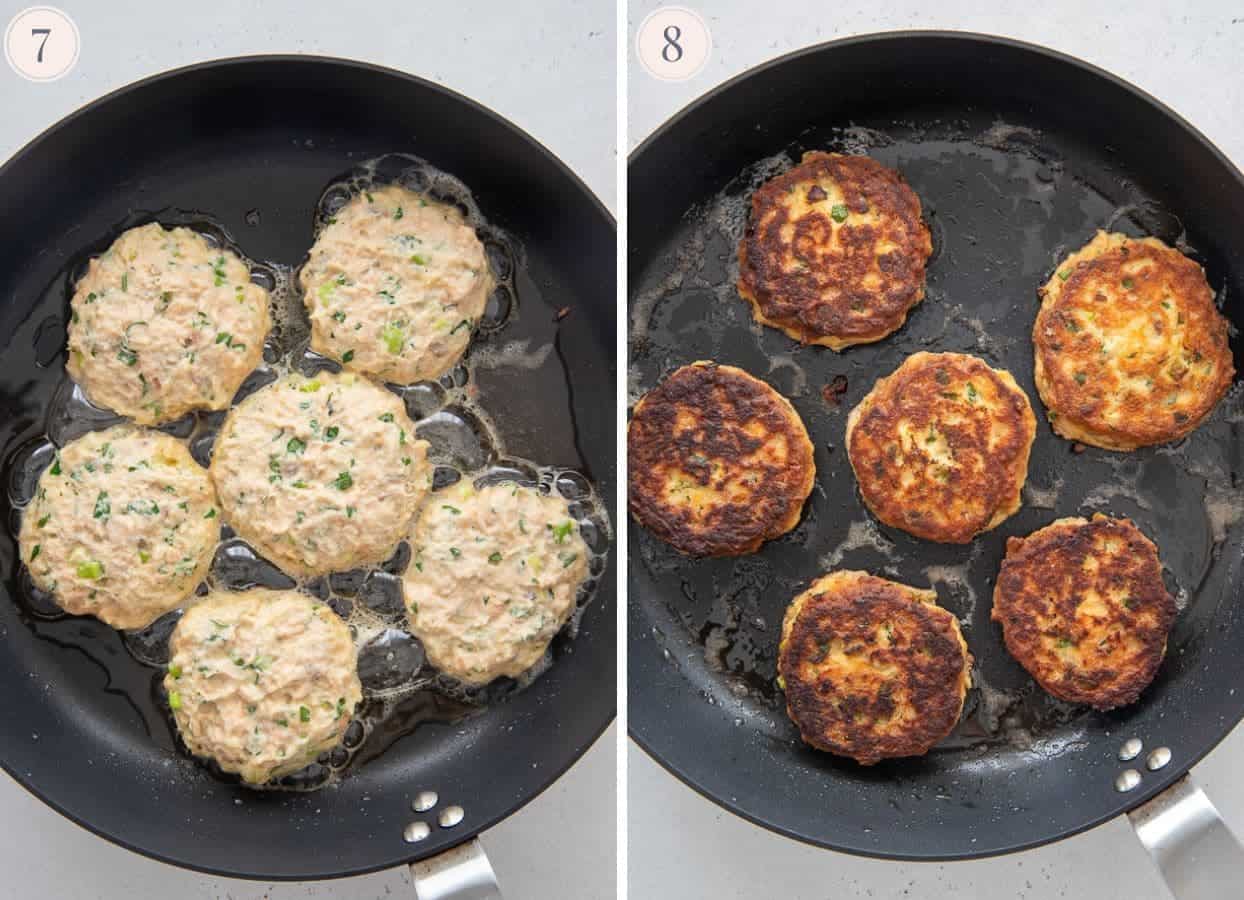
451,816
1131,749
1158,758
424,801
1127,780
415,832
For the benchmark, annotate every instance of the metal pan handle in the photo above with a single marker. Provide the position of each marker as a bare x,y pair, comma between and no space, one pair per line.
462,873
1198,855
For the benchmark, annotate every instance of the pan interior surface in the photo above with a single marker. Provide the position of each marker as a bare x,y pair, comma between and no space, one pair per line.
1018,156
251,146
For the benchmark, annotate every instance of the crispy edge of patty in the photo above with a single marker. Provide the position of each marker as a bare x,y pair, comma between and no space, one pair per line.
653,447
788,301
1007,482
939,677
1064,397
1033,572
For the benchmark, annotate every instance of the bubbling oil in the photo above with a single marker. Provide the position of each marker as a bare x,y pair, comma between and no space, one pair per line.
401,689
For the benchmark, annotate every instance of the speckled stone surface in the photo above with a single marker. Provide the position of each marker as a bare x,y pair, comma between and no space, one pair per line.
508,57
683,846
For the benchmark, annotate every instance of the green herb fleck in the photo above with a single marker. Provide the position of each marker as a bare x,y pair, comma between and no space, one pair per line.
839,212
103,508
452,509
210,514
331,432
393,338
494,559
1065,274
419,259
344,481
347,356
91,569
562,531
174,670
34,554
174,700
304,714
295,445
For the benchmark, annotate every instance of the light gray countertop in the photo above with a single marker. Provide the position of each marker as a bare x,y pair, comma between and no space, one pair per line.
512,58
683,846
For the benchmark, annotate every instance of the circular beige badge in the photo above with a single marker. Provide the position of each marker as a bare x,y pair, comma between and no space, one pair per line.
673,43
41,43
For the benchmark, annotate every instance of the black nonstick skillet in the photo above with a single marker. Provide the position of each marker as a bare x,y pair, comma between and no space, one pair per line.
1018,155
252,144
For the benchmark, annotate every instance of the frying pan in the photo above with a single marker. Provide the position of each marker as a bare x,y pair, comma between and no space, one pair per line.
1018,154
253,143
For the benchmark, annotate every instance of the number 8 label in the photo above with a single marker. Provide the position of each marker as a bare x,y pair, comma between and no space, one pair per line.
673,43
41,43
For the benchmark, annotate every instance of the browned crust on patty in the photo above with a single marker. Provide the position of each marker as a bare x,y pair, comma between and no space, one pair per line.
828,282
940,447
718,461
1088,621
1138,393
872,669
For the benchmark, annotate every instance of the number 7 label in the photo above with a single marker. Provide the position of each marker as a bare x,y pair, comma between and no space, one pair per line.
41,43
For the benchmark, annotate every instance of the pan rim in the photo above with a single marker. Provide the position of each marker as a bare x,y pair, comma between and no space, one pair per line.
553,773
315,59
1220,730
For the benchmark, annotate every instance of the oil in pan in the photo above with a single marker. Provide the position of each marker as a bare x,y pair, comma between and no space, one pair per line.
685,307
401,690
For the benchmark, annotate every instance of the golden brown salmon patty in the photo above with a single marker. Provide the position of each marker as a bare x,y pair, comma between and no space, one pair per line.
835,251
940,447
1130,349
1084,610
872,669
719,461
